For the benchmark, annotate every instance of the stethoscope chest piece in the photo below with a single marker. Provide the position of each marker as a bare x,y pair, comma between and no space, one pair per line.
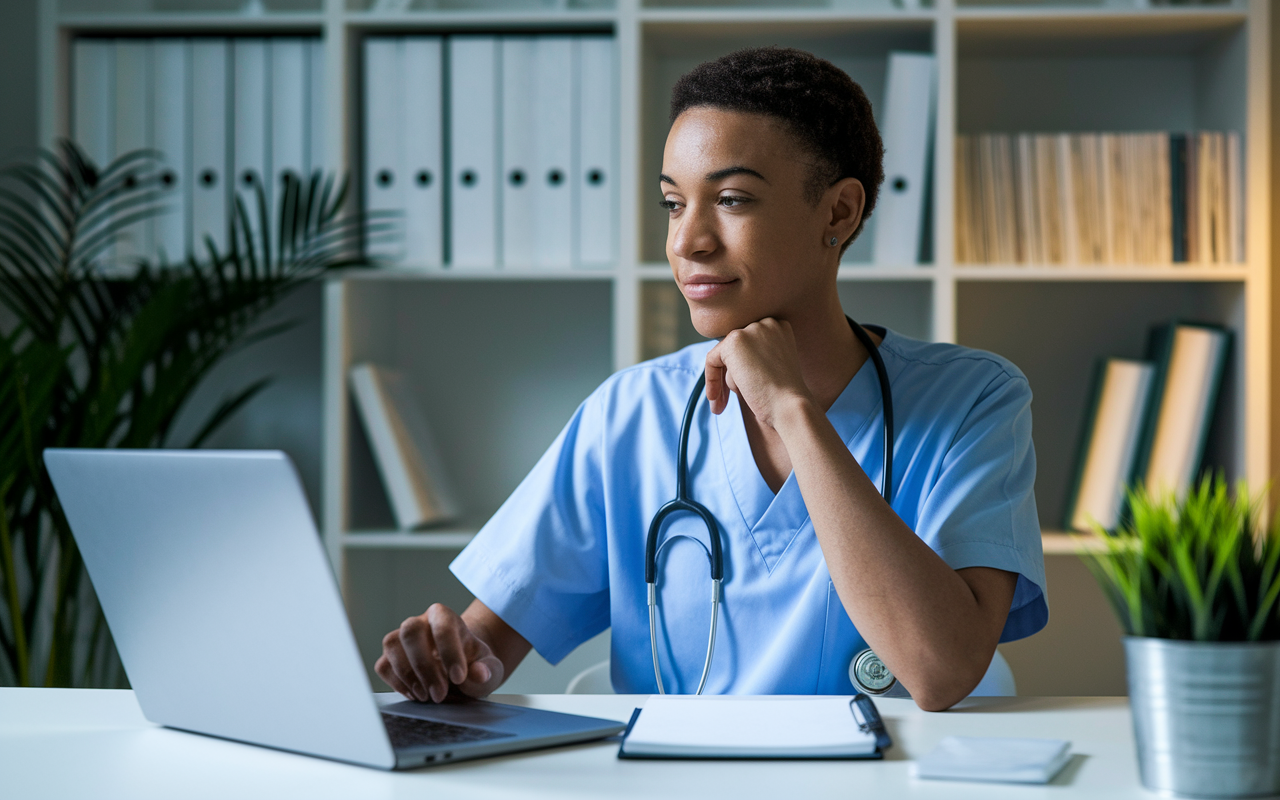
869,675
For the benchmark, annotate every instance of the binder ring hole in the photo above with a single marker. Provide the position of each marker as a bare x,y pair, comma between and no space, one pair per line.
385,178
899,184
130,181
468,178
287,176
516,177
423,178
208,178
555,177
247,178
168,178
595,177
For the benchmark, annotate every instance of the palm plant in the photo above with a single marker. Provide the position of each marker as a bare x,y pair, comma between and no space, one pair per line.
1193,569
101,358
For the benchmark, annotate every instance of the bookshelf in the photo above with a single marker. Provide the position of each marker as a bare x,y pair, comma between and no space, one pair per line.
501,358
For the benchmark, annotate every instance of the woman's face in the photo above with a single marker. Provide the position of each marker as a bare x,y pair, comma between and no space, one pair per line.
743,240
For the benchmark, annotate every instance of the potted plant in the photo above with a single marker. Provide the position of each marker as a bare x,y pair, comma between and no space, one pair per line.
101,354
1195,583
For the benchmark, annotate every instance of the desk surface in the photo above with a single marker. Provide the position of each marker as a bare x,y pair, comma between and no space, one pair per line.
68,743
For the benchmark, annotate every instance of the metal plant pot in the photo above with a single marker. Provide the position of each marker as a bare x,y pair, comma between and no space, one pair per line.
1206,716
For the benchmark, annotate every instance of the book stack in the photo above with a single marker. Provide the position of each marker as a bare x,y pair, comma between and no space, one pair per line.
1099,198
1147,422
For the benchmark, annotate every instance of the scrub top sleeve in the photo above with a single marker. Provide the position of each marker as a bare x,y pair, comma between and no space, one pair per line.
981,512
541,562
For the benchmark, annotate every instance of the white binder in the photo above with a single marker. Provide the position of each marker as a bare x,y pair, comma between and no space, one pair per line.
132,132
596,168
250,113
92,114
907,129
317,146
520,116
209,184
288,104
473,130
93,110
170,135
383,178
553,134
422,154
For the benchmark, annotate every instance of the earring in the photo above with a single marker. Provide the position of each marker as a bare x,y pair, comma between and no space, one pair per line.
834,241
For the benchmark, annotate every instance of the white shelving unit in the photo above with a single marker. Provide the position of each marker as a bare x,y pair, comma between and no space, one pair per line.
500,359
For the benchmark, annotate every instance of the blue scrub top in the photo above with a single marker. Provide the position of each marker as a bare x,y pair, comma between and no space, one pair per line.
563,558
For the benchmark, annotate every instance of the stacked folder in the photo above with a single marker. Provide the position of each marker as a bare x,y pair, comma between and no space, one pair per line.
228,115
496,150
1148,422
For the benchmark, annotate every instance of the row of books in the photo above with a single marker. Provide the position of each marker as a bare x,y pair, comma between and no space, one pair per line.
226,113
1099,198
526,127
1147,422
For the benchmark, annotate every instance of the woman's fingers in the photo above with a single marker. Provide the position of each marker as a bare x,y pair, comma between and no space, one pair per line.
717,390
427,653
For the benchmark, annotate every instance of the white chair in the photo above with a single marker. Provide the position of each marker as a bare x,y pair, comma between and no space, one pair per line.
998,682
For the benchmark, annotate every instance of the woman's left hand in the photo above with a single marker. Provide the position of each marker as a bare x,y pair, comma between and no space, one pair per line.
761,363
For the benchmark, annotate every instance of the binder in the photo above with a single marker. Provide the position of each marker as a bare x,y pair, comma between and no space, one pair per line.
171,125
92,113
474,108
383,181
1190,361
422,154
1109,443
317,146
288,108
209,184
132,132
907,131
93,106
520,142
596,167
250,113
403,446
553,136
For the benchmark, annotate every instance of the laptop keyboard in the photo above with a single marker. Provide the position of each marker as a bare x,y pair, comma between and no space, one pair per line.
406,732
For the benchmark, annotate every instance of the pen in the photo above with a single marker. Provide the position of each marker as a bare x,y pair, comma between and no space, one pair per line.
868,718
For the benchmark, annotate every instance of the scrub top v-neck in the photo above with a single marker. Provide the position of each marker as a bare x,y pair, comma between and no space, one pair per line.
563,558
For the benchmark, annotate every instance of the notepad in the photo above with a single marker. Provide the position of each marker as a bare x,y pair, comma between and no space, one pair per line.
973,758
747,727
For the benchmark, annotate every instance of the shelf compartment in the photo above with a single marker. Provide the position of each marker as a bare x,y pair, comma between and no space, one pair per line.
1055,332
1101,73
498,368
669,49
181,9
409,540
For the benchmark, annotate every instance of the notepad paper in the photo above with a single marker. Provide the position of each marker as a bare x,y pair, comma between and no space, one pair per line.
748,727
972,758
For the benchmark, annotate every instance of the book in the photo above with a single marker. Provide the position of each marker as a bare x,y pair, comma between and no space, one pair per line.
1100,198
726,726
403,448
1113,426
1190,360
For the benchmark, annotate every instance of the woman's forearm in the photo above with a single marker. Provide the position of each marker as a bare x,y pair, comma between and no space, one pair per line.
934,627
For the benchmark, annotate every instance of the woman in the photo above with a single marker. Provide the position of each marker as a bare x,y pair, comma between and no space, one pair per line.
772,165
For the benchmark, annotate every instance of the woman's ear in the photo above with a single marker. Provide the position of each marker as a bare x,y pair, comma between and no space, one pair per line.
845,200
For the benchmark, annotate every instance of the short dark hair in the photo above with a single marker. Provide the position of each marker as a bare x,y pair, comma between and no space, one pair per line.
823,108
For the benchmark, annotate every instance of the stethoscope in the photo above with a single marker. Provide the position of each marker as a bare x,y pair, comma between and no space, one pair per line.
866,671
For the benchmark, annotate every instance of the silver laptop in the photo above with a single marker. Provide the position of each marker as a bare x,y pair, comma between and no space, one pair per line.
229,622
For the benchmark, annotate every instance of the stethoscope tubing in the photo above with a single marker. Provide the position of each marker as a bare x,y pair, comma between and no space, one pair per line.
684,502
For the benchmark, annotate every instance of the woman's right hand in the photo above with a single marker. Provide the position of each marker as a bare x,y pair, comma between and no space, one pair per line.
436,649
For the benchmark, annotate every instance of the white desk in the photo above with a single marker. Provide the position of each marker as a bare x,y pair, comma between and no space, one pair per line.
67,743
